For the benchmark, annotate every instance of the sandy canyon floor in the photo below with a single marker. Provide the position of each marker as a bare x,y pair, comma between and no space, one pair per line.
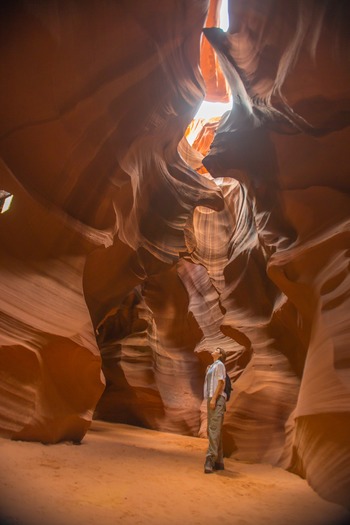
129,475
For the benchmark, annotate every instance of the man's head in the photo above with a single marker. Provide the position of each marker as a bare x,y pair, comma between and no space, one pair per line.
222,354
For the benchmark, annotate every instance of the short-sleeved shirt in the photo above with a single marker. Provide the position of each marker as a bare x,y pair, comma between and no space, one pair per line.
215,372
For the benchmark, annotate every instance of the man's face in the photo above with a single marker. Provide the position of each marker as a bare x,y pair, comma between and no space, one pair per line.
216,353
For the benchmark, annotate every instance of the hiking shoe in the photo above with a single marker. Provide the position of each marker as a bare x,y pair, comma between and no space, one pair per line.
208,466
219,466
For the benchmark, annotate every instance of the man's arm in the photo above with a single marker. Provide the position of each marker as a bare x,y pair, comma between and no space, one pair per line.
217,393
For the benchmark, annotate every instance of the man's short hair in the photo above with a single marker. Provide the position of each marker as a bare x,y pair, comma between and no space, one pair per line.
222,354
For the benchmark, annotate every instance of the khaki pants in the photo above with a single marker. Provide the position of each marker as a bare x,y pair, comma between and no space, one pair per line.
215,422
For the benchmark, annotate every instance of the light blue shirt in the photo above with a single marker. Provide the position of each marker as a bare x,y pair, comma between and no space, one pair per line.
215,372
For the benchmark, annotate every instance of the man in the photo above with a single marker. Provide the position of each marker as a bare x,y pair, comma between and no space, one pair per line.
216,401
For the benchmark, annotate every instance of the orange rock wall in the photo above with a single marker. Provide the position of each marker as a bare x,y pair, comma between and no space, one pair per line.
117,255
96,99
216,87
287,277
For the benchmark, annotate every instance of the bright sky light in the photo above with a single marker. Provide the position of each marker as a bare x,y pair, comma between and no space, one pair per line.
212,109
216,109
224,15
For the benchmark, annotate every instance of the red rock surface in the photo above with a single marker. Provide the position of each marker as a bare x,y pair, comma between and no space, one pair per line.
113,233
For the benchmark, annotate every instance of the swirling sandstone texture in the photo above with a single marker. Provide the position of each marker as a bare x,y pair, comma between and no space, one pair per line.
131,252
95,98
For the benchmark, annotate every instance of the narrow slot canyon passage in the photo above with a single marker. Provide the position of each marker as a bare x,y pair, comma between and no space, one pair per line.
143,233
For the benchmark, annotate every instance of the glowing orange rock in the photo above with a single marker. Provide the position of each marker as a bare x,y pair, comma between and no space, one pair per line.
216,88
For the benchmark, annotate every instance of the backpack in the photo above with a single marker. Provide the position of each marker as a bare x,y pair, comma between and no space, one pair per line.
227,387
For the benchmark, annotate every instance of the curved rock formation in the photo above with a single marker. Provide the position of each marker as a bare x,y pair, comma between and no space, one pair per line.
92,112
126,243
287,279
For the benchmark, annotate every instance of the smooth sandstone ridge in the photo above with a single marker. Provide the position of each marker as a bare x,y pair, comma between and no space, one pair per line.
127,253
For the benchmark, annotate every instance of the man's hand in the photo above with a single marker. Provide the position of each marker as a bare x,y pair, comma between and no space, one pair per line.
212,403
